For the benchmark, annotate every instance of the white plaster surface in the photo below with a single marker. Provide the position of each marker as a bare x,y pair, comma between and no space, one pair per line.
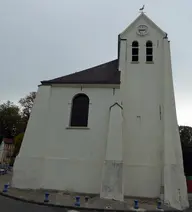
49,147
175,188
114,146
55,157
142,96
112,180
152,149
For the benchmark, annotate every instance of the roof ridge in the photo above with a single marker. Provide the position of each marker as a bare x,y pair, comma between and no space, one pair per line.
87,69
97,66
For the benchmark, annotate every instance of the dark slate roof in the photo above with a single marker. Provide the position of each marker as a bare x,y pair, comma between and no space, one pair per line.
106,73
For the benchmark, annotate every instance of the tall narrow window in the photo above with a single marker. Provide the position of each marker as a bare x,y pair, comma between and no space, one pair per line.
80,111
135,51
149,51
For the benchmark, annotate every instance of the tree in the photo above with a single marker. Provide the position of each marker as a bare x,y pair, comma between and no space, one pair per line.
27,104
18,141
1,139
185,136
186,143
10,119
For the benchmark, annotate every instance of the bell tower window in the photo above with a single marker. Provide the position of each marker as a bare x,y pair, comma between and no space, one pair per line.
135,51
149,51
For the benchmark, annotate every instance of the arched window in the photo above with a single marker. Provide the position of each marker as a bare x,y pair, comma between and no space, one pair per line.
135,51
149,51
80,111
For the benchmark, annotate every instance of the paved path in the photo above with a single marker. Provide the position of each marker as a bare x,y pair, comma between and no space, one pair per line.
10,205
68,199
63,199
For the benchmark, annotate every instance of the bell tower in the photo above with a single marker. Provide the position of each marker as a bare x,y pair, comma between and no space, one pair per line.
150,131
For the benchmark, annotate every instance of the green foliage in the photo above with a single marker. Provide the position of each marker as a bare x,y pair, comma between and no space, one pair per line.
18,141
27,104
13,120
185,136
10,119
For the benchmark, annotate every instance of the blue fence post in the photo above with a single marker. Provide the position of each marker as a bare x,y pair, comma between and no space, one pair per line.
159,204
46,197
136,204
2,171
5,188
77,202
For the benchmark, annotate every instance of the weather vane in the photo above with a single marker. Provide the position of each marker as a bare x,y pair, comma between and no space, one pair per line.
141,9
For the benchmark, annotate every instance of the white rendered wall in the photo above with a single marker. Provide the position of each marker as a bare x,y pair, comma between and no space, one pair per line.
142,96
112,177
29,164
54,156
175,188
152,156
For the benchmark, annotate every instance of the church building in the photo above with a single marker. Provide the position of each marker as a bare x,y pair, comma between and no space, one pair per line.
109,130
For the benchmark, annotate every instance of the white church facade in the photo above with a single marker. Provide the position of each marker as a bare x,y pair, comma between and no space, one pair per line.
111,129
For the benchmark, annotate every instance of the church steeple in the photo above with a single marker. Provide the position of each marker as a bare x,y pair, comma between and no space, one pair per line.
144,32
150,129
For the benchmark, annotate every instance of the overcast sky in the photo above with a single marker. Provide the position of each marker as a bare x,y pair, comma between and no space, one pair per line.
43,39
